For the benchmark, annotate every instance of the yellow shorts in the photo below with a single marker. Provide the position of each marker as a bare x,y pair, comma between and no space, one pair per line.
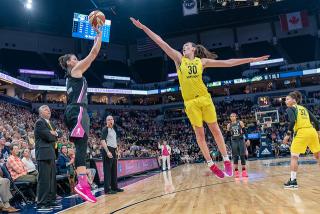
201,109
305,137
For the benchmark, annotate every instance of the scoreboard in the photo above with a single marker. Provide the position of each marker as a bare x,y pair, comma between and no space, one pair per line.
82,28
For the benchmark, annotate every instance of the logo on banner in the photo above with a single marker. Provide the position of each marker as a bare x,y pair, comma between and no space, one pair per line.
189,4
294,20
266,152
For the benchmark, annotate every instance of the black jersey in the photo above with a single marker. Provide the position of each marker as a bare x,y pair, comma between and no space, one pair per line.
236,130
77,91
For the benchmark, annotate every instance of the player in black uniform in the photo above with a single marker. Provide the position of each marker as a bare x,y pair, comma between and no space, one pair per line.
76,115
237,130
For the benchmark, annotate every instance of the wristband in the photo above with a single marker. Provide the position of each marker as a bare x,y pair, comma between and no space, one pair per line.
289,133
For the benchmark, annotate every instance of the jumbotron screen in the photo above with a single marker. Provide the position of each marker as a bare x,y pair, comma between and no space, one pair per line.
82,28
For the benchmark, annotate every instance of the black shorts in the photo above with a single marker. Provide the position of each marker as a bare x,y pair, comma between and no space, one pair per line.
238,147
72,115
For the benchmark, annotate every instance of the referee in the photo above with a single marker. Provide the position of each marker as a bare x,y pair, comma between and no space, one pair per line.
110,157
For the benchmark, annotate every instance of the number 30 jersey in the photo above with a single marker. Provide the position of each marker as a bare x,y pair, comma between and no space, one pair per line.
190,79
302,118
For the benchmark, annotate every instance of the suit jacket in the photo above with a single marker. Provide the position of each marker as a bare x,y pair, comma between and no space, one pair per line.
44,140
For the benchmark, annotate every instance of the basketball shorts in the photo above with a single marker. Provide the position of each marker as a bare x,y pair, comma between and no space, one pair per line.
77,120
305,137
201,109
238,147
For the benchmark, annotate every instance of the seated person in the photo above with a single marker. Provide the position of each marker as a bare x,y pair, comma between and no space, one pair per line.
5,195
31,168
17,169
64,162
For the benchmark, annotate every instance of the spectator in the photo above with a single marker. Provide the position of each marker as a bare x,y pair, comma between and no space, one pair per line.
31,168
5,195
64,162
5,150
165,155
17,169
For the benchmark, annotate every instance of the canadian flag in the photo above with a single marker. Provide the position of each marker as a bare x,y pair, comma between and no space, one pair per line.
294,21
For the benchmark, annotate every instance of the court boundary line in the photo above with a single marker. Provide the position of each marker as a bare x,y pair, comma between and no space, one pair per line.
183,190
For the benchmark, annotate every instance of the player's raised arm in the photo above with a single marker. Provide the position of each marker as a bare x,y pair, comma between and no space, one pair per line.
84,64
207,63
172,53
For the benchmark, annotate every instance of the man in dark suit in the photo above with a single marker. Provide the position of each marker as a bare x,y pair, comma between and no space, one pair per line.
46,135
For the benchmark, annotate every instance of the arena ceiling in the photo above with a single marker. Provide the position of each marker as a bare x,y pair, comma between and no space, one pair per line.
165,16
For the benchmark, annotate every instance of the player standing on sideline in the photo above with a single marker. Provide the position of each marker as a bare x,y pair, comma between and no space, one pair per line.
198,102
237,131
76,114
300,123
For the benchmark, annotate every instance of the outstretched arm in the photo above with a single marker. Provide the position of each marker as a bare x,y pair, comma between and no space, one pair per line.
84,64
230,62
172,53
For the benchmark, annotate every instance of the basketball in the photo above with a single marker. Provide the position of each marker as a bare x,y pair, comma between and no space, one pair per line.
96,18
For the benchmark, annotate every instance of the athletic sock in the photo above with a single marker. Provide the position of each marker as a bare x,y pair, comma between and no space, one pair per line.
225,158
293,175
236,169
210,163
243,168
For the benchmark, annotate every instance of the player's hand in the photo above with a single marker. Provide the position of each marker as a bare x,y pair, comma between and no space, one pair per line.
137,23
262,58
286,139
97,30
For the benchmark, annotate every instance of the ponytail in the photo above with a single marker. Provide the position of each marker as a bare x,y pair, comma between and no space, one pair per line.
202,52
296,95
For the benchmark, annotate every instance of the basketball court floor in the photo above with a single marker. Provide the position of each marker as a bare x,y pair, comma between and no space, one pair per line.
192,189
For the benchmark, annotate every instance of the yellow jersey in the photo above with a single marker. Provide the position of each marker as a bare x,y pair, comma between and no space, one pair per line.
190,79
302,118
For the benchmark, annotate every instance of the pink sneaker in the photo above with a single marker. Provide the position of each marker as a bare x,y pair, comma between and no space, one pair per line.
216,171
244,174
228,168
85,193
236,174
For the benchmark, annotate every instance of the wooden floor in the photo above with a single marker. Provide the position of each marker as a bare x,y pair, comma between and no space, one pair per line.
190,189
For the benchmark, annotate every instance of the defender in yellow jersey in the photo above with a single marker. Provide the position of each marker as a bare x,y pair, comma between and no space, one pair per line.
198,103
305,135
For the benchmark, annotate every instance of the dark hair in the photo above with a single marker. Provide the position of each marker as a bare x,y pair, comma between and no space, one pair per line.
296,95
202,52
63,61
